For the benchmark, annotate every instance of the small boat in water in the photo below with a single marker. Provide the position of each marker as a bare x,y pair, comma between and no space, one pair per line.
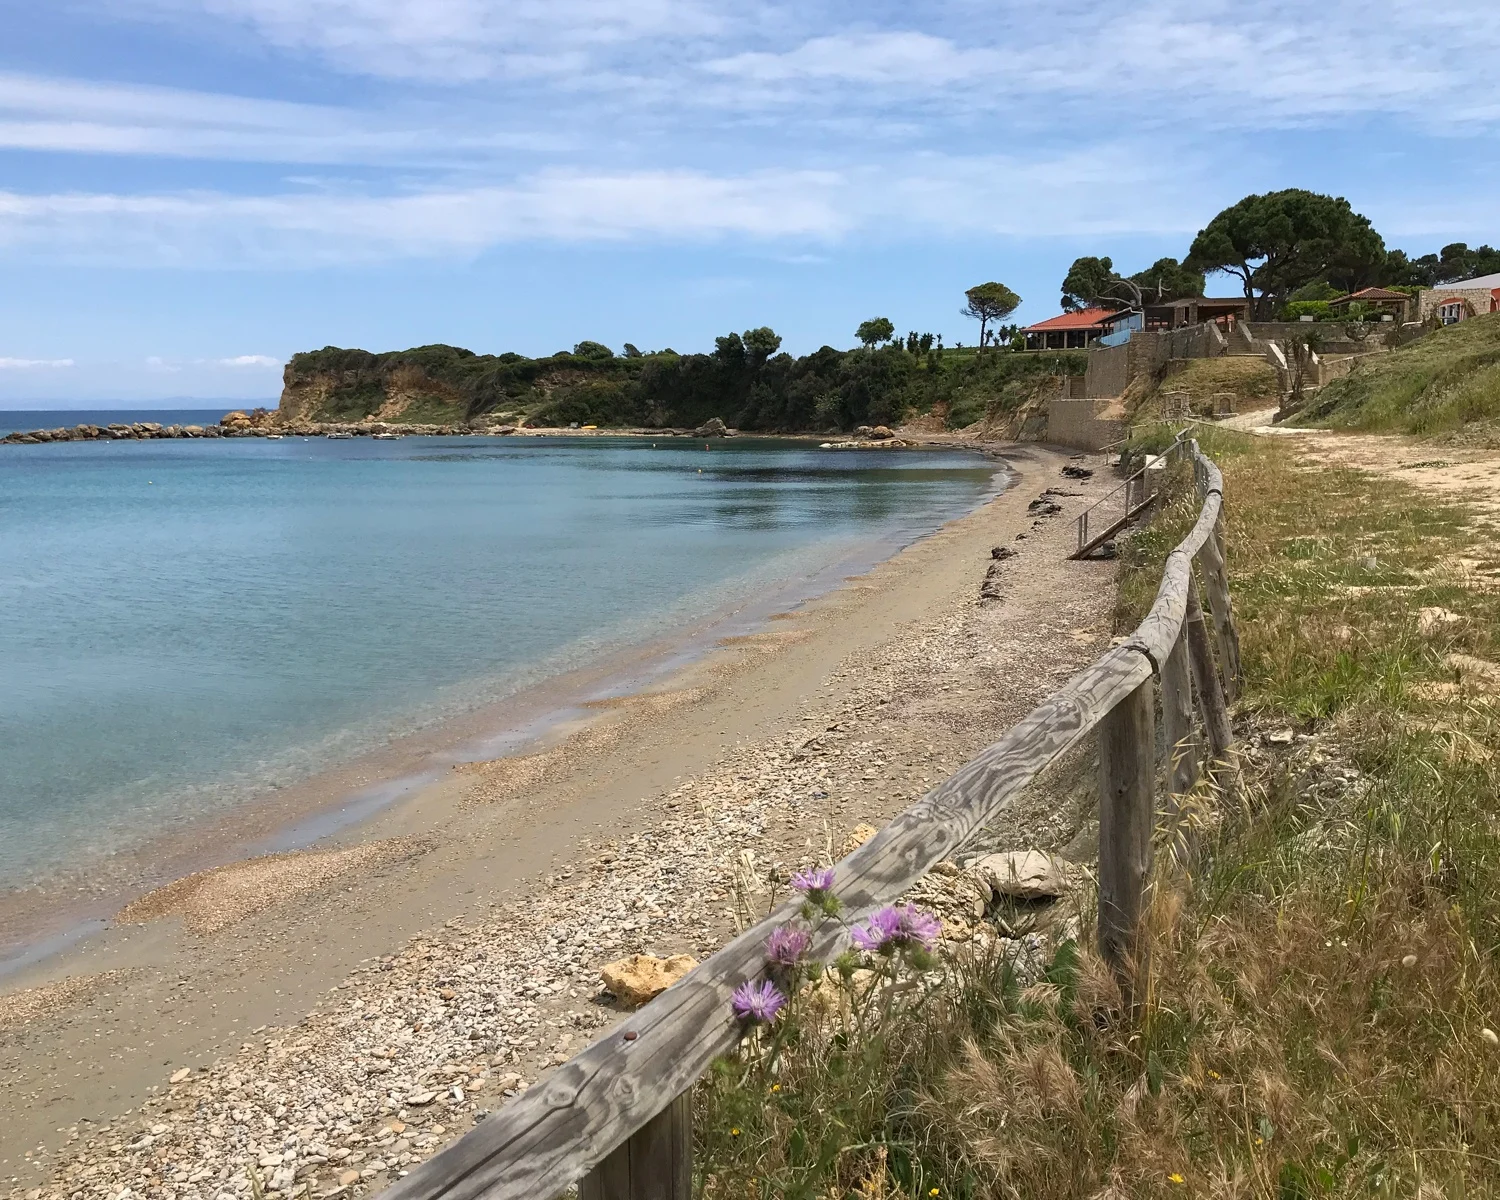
385,437
339,436
273,437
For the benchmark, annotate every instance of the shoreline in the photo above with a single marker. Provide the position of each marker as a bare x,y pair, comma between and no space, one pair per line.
270,428
474,956
81,900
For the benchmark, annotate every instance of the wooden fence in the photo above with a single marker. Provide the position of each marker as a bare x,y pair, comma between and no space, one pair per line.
616,1119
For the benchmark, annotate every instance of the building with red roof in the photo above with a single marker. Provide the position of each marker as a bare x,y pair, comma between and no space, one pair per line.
1073,330
1375,299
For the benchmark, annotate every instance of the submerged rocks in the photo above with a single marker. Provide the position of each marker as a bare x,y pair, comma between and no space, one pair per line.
643,977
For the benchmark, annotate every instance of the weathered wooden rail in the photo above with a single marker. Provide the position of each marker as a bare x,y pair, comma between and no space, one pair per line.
1117,508
616,1119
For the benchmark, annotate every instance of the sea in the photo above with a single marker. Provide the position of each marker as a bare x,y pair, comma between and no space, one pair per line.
186,626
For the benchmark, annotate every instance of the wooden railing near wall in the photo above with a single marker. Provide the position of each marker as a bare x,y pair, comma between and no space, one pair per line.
616,1119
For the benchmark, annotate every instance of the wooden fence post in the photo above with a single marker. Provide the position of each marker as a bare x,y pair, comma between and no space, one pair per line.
655,1163
1205,677
1177,722
1216,584
1127,775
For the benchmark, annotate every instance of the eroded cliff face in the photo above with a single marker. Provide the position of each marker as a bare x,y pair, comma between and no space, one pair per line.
400,393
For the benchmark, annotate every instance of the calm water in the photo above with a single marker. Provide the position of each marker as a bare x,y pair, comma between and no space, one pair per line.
184,624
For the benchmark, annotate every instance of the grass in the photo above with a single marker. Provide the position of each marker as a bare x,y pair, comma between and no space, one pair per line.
1251,380
1445,384
1319,983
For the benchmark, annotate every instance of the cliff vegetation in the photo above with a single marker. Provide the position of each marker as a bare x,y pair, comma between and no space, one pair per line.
745,381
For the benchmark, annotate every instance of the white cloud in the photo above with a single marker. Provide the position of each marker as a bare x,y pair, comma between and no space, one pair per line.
82,117
927,194
250,360
455,41
1186,63
32,364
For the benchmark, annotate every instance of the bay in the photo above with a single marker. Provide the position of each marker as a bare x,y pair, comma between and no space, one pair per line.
187,624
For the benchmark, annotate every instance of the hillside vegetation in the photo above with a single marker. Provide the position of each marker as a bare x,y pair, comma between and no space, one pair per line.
740,382
1252,381
1320,996
1446,384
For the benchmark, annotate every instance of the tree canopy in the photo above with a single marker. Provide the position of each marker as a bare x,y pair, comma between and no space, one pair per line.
762,343
1166,280
989,302
1087,283
875,331
1280,241
1092,282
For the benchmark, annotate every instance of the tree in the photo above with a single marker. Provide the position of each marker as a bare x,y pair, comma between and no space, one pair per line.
762,343
592,350
729,350
1087,283
631,351
874,331
988,302
1166,280
1278,242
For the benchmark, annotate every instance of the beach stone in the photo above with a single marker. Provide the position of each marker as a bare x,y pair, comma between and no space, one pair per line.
418,1099
880,433
1023,875
642,977
348,1177
179,1075
1433,620
713,427
856,838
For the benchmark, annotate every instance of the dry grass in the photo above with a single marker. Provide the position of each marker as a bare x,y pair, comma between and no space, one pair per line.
1318,985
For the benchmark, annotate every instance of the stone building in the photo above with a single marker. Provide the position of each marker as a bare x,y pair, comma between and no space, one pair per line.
1455,302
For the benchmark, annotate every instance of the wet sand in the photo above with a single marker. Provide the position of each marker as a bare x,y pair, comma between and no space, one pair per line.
905,652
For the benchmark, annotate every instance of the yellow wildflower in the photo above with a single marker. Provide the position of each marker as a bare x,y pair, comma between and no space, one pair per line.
1174,1177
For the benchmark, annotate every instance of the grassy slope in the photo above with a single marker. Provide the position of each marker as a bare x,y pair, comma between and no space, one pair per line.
1443,384
1318,989
1252,381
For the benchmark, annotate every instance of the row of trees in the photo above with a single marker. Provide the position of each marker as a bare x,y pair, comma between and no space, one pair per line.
1278,246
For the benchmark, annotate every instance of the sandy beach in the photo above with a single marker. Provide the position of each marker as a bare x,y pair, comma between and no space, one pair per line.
332,1016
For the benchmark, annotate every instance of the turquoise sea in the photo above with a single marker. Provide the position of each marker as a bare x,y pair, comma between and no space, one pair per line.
188,624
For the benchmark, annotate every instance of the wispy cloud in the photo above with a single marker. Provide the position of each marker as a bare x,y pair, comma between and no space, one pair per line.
32,364
457,41
927,194
250,360
81,117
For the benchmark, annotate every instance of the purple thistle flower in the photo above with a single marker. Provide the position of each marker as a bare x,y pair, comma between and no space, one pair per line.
919,928
892,928
879,931
787,944
818,879
757,1001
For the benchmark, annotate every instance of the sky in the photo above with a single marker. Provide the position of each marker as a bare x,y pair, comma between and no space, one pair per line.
193,190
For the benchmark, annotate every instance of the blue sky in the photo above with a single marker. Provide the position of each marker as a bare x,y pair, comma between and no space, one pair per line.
192,190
